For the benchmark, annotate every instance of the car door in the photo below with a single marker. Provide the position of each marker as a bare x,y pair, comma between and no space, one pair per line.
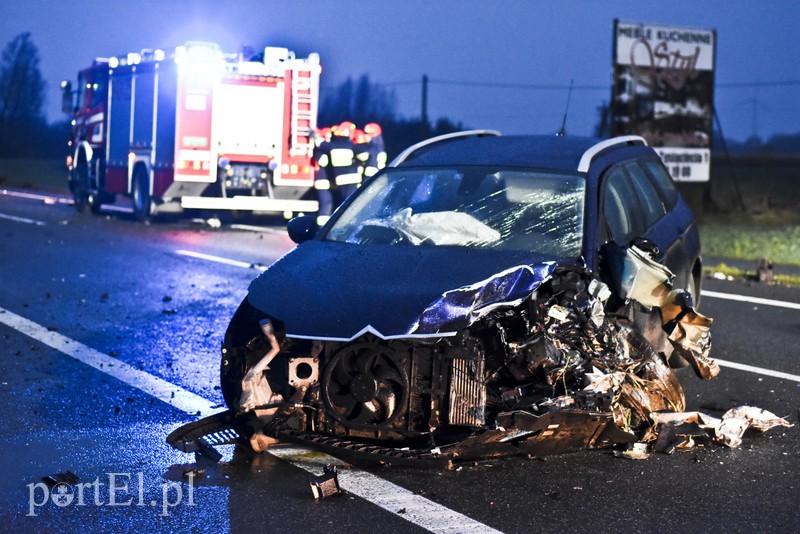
634,211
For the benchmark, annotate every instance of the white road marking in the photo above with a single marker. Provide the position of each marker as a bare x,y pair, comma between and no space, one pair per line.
114,207
220,259
391,497
757,370
751,300
47,199
22,219
176,396
260,229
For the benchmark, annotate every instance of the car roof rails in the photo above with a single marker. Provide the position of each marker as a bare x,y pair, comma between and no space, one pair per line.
409,153
593,151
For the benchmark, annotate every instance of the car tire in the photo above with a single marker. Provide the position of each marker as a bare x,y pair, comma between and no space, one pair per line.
693,287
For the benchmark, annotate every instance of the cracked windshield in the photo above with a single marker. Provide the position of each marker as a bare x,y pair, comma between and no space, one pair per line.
470,207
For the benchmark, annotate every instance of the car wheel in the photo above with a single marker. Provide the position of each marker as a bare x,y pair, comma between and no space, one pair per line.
142,203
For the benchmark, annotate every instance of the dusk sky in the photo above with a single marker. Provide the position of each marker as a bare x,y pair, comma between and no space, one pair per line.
503,64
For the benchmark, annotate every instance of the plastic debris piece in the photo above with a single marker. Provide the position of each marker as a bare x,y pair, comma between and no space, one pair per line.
681,430
68,477
737,420
559,313
637,451
643,279
764,271
326,485
206,452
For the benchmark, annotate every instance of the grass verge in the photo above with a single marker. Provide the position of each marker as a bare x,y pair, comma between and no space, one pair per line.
772,235
42,174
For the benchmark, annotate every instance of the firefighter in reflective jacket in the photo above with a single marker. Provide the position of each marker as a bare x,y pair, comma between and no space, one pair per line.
343,164
322,174
361,150
376,150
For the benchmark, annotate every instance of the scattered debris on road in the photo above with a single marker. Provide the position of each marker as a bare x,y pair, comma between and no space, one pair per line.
67,477
327,484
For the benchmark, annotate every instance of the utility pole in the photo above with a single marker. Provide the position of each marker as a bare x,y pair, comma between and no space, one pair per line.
425,99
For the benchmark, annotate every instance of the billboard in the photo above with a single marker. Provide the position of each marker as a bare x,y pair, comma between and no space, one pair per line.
663,90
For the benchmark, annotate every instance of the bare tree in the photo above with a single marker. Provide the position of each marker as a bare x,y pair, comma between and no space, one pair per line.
21,95
360,101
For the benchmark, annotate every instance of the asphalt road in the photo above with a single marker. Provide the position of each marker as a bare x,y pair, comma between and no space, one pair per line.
146,320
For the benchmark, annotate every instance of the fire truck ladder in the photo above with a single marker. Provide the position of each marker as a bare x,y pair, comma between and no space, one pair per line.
303,110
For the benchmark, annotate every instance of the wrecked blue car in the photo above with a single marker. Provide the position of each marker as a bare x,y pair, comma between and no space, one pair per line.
483,295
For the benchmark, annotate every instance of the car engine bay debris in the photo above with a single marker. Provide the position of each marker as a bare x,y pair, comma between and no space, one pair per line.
535,360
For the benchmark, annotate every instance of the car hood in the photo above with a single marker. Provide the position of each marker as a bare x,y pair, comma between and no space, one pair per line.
339,291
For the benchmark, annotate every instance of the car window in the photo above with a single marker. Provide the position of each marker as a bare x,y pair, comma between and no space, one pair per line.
649,199
471,206
621,207
663,181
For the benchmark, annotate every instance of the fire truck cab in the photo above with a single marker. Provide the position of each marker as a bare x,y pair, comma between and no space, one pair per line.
195,129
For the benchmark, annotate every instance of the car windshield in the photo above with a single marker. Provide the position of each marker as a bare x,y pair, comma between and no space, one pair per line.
480,207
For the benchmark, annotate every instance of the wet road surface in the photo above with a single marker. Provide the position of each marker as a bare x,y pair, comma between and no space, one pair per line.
123,290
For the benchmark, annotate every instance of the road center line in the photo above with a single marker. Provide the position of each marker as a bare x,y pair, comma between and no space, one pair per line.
22,219
751,300
757,370
393,498
220,259
387,495
47,199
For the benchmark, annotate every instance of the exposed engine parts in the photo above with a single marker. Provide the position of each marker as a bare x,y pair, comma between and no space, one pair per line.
544,360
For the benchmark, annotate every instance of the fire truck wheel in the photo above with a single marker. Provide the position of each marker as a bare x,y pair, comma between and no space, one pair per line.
80,186
142,203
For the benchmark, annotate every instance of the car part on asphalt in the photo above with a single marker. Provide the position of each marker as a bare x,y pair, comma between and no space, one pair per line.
327,484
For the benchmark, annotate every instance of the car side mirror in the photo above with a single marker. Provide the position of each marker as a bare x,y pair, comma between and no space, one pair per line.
302,229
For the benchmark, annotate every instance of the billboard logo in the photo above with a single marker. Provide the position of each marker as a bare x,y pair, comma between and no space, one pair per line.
670,66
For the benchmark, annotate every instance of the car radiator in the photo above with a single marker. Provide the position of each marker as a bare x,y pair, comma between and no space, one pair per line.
467,392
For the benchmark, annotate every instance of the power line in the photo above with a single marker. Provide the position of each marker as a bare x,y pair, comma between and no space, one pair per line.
494,85
779,83
585,87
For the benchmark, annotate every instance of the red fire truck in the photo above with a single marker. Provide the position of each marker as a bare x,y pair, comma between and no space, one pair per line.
194,128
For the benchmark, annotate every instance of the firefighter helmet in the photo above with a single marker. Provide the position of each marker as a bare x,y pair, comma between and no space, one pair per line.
372,129
345,129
